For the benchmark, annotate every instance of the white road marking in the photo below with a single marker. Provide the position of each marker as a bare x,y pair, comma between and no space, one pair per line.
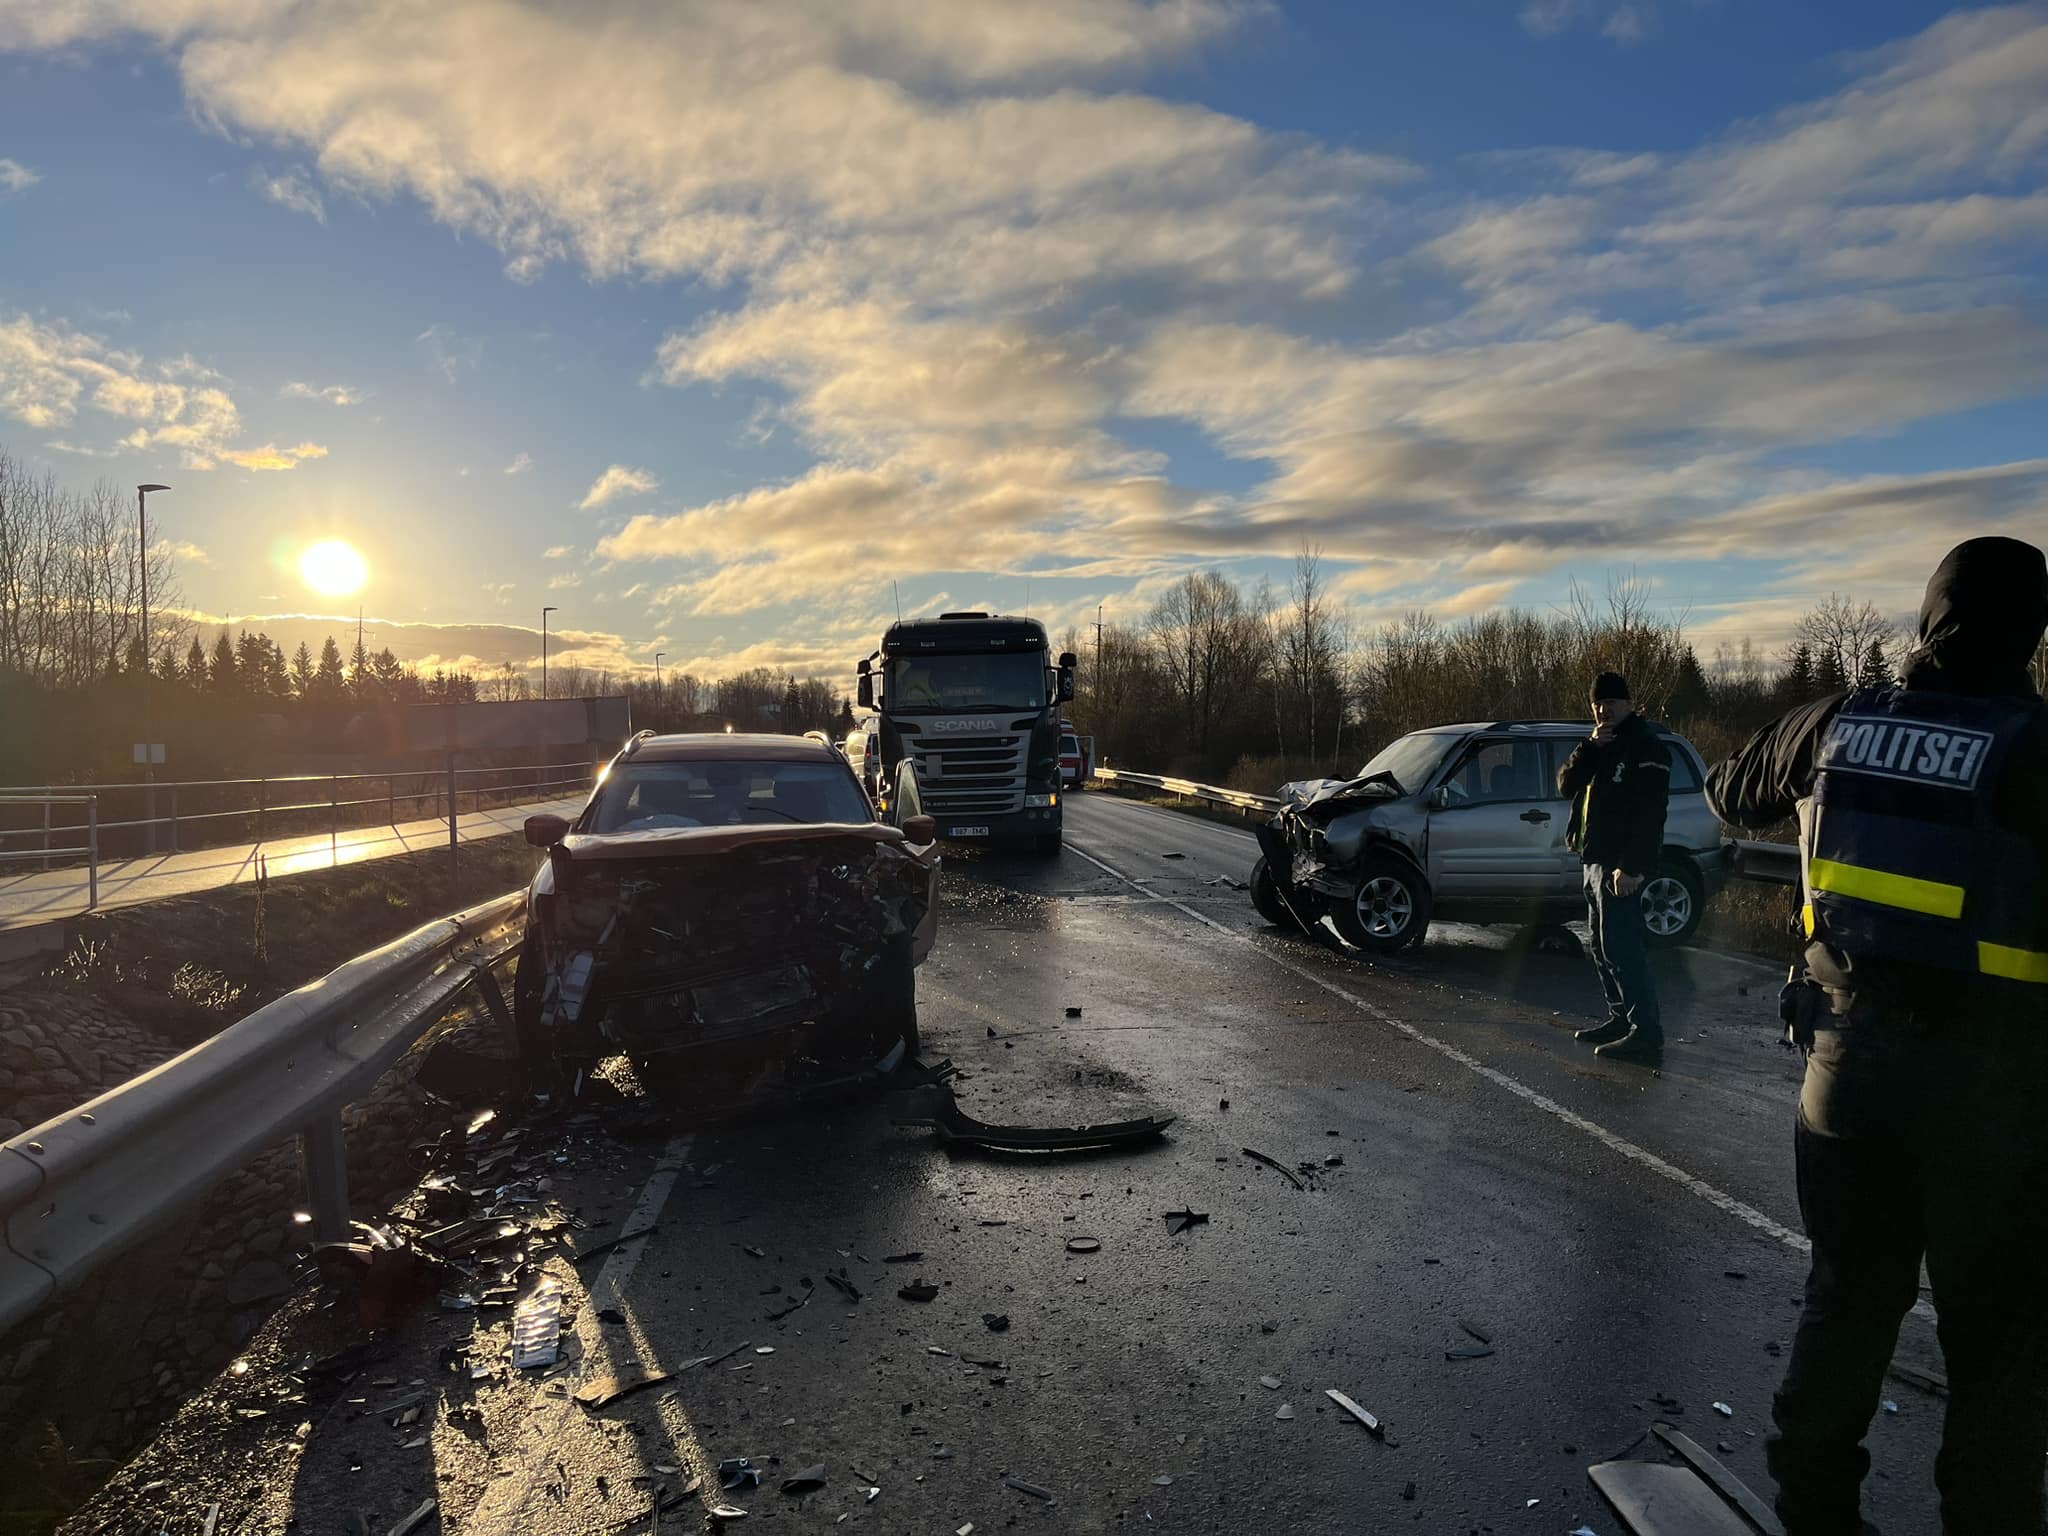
504,1504
1721,1201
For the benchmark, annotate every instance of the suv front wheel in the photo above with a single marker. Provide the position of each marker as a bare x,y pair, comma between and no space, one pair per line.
1674,901
1388,912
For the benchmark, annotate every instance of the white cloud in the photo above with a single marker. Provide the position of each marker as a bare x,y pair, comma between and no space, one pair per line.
48,370
291,189
557,552
564,581
16,177
615,482
521,463
270,456
499,591
333,394
184,549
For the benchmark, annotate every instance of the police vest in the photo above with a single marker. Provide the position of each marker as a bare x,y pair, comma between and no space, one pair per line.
1901,858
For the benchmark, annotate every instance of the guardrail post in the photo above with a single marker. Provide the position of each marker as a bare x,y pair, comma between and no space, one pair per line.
92,845
262,798
324,1155
390,802
454,820
46,834
334,818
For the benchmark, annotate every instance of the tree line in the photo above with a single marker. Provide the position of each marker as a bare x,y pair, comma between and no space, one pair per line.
1252,686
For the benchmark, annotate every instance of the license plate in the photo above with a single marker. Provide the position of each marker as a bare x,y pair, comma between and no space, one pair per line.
970,831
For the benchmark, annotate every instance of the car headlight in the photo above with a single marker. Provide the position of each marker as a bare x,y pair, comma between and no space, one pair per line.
1040,802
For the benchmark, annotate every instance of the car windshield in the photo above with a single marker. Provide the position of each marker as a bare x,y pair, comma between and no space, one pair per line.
1410,761
1012,680
646,797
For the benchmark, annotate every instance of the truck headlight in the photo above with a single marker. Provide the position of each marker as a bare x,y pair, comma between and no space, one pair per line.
1040,802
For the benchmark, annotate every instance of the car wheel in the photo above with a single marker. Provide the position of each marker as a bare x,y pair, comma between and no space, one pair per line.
1388,912
1266,895
1674,901
892,1006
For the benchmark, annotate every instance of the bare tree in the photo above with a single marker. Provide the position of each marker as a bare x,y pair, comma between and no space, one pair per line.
1843,628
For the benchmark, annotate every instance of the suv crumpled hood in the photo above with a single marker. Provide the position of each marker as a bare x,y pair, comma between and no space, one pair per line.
1332,795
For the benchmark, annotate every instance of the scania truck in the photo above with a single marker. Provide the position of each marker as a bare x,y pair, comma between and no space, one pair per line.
973,700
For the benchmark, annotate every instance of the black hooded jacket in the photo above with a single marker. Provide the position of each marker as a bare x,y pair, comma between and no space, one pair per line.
1980,625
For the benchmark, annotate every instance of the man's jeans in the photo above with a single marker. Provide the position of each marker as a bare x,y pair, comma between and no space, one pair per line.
1620,954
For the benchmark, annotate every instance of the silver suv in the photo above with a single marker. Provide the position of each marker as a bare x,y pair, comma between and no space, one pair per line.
1464,823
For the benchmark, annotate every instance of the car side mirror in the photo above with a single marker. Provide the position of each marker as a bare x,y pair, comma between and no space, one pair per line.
920,830
546,829
1440,797
864,688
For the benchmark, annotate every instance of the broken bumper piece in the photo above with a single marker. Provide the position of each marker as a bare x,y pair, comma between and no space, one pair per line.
935,1106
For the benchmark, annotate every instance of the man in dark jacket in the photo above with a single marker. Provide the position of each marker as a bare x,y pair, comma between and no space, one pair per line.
1923,1118
1619,782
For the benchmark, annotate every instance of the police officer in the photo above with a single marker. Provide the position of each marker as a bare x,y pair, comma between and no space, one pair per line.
1923,1118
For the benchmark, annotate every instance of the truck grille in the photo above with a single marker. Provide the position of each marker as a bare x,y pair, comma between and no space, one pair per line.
970,775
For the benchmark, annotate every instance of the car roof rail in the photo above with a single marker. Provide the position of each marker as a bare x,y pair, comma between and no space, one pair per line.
634,745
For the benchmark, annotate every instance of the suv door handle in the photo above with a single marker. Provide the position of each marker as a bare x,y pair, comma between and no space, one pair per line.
1533,817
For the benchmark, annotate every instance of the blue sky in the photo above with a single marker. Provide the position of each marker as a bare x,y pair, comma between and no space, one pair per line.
706,322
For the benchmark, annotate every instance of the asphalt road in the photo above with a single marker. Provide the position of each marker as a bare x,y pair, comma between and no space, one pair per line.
1616,1235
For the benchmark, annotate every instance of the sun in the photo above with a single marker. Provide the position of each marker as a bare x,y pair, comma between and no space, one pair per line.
333,568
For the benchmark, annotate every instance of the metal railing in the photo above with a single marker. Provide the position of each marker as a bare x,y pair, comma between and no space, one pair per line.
1234,799
1770,863
90,847
80,1188
277,800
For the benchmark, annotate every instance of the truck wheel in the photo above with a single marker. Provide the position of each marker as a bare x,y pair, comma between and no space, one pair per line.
1674,901
1389,911
1048,844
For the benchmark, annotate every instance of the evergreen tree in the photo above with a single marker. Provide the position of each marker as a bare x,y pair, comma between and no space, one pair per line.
329,681
302,671
1829,675
1690,695
359,679
221,677
277,678
1876,668
792,707
194,675
388,673
252,663
1797,685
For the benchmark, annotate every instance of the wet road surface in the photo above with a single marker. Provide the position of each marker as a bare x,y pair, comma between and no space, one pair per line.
1615,1235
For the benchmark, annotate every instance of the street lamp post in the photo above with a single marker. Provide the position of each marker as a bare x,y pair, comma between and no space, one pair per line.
142,563
544,650
657,669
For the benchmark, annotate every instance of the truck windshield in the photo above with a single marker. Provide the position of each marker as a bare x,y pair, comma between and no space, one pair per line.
1411,760
938,684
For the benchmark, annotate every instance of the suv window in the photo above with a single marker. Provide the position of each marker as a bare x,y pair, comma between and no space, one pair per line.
1685,778
1496,771
639,797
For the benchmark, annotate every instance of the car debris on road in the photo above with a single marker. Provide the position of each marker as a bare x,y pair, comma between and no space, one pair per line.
936,1107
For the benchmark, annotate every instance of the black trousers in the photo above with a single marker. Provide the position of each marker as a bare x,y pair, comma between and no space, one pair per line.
1910,1147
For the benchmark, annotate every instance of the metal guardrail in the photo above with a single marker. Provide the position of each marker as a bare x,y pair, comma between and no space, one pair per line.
78,1189
299,796
1770,863
1235,799
90,847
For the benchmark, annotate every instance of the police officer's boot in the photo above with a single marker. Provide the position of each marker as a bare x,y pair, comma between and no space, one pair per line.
1601,1034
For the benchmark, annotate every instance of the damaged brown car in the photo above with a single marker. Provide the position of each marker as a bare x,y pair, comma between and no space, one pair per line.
729,914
